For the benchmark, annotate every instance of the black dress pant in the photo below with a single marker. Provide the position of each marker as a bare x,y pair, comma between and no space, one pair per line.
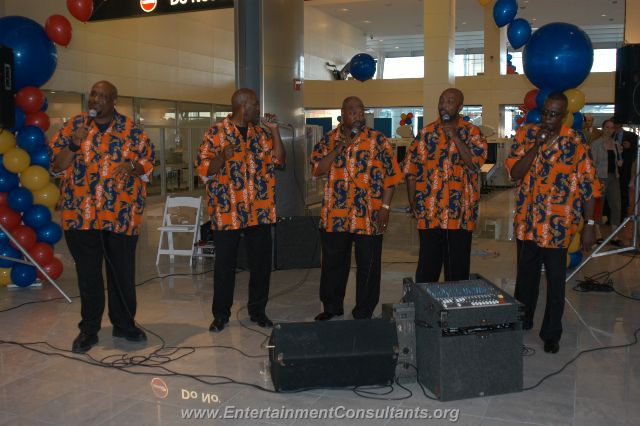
88,249
530,260
448,247
336,264
258,244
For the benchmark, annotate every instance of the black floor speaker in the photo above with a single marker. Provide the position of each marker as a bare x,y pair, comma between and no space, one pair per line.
627,107
7,103
297,242
330,354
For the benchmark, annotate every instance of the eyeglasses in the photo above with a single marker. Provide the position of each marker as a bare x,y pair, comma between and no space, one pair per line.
552,114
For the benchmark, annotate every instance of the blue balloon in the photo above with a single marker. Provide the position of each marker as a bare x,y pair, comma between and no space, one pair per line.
40,158
509,57
3,238
407,121
558,56
8,180
20,199
466,118
518,33
45,105
20,120
504,11
34,55
8,251
37,216
534,116
31,139
362,66
23,275
575,258
578,121
49,233
541,97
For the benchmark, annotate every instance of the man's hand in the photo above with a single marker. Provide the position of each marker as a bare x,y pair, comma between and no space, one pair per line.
541,137
383,220
588,237
450,129
123,171
227,153
270,120
341,143
80,135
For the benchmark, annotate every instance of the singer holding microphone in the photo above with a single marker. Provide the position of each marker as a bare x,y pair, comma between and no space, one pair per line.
237,163
557,185
105,161
362,173
441,170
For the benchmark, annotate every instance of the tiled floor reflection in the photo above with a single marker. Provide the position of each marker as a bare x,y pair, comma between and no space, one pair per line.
600,388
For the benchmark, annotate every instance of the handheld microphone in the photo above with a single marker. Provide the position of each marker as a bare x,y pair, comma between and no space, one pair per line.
446,117
264,119
91,116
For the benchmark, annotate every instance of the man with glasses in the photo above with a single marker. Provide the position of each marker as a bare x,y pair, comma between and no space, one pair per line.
441,169
557,185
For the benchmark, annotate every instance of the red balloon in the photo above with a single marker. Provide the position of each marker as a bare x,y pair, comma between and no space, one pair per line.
520,119
30,99
80,9
3,198
402,122
530,99
58,28
25,236
410,115
511,70
42,253
9,218
39,119
53,268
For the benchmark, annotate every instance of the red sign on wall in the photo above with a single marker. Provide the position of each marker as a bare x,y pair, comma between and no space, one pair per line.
148,5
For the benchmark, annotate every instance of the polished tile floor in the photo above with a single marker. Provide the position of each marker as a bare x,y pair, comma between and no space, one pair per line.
48,385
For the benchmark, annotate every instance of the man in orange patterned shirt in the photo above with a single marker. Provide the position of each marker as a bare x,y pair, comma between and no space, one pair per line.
557,186
441,169
105,161
237,162
362,175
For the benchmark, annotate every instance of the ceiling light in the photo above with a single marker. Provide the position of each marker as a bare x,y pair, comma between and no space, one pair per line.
397,47
603,15
344,9
366,21
534,19
464,23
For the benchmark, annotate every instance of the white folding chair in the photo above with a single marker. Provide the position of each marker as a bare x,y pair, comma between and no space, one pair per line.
169,228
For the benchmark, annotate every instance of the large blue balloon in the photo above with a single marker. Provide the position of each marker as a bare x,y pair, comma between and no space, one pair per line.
541,97
49,233
23,275
578,121
362,66
37,216
518,33
34,55
31,139
8,251
3,238
20,199
40,158
534,116
558,56
504,11
8,180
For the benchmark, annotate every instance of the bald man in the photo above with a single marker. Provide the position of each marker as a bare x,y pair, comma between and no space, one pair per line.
441,170
106,162
237,162
362,173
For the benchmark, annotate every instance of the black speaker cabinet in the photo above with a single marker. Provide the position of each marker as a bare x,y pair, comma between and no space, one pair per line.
328,354
7,102
628,84
404,315
297,242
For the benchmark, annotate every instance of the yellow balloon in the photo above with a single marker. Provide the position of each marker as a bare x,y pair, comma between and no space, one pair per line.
403,116
47,196
576,99
581,225
568,121
568,260
7,141
484,2
34,178
5,276
16,160
574,245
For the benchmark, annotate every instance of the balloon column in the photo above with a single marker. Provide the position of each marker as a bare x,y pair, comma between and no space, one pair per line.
27,195
406,129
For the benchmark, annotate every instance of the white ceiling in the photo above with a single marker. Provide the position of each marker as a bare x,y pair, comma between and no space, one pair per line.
391,23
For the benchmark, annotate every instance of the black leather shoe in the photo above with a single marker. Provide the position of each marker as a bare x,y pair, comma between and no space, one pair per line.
133,335
262,320
84,342
326,316
218,324
551,346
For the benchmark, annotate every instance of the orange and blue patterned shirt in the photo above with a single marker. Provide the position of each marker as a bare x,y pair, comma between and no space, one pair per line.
92,199
447,190
242,193
550,196
356,181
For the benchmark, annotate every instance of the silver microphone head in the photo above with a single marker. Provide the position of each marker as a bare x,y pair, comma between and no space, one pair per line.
446,117
92,114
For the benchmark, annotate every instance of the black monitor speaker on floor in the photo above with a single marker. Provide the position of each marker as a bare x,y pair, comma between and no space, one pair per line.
7,102
628,84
